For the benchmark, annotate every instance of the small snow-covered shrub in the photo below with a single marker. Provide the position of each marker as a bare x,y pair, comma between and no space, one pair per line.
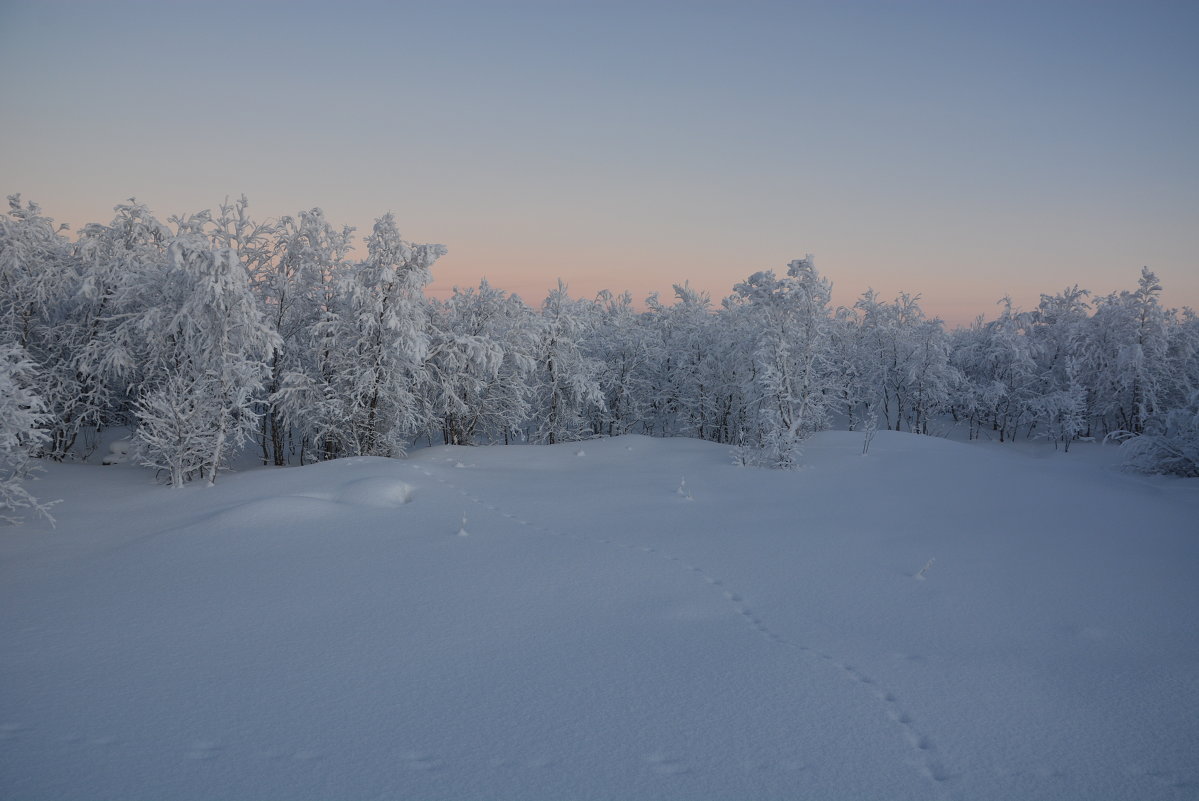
179,431
1172,451
778,450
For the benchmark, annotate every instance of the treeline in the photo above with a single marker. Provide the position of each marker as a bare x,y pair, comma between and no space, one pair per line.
212,332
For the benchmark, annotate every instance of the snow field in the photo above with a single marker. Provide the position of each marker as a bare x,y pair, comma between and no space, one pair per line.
321,631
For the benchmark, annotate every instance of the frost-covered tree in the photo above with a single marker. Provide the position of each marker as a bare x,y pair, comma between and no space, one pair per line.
22,433
901,362
930,378
181,432
1182,357
1000,376
567,381
44,312
1060,415
296,288
1126,356
784,327
1059,327
380,340
1170,446
1060,408
690,392
480,365
621,343
847,361
206,346
121,266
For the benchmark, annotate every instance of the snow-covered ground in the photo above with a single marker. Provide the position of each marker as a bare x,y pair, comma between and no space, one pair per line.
931,620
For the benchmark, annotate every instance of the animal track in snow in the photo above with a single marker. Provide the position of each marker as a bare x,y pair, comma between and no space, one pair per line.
922,746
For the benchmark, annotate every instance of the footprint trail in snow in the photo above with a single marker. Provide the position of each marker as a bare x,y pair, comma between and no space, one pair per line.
921,745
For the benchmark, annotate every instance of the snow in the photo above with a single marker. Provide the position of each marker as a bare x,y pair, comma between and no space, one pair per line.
323,632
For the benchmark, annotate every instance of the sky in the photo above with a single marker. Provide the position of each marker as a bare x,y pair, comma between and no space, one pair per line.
960,150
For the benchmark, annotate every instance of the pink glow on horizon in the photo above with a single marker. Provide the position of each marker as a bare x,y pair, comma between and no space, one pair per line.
956,296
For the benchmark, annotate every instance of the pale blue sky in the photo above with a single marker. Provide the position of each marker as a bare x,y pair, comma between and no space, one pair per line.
961,150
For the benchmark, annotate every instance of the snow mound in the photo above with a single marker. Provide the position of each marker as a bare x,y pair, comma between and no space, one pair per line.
376,491
118,452
272,512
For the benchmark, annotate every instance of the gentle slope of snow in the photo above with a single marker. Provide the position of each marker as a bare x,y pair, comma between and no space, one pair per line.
325,631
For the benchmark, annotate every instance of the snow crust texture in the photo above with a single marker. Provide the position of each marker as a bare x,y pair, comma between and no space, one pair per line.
931,620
